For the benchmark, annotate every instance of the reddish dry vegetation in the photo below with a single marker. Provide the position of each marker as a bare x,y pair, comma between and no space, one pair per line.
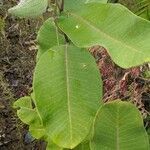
126,84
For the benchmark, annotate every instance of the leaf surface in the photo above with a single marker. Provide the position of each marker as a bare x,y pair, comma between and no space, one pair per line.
29,8
119,126
52,146
77,4
83,146
25,111
99,1
29,116
125,35
64,99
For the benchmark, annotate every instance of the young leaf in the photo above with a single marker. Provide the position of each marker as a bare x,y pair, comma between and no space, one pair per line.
125,35
48,36
29,8
25,112
29,116
64,99
119,126
23,102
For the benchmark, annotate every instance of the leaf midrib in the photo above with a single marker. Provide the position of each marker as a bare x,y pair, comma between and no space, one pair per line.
102,32
68,92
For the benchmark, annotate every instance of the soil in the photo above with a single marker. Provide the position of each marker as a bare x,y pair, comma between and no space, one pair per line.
17,61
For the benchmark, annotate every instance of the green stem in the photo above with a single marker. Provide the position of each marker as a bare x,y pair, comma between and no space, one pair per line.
60,6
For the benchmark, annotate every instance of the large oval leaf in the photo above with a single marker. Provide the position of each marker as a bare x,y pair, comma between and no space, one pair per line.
29,8
48,36
65,99
119,126
125,35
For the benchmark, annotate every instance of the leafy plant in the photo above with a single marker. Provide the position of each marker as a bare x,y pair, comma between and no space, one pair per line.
117,131
68,111
139,7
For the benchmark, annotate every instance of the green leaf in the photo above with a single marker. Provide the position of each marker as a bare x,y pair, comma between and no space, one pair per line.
142,8
119,126
148,132
23,102
123,34
25,112
73,4
77,4
139,7
30,116
38,131
83,146
100,1
29,8
52,146
48,36
64,99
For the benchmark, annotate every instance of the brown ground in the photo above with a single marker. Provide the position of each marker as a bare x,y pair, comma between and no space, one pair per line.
17,61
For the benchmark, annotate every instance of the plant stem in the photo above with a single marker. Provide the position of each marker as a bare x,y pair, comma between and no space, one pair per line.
62,6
